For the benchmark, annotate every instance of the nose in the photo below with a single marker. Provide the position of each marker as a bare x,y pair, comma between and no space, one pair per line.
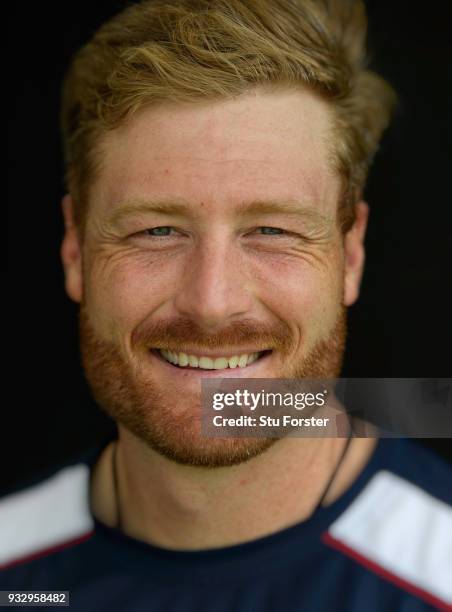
215,288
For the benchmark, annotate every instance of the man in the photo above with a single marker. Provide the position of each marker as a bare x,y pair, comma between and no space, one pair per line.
216,156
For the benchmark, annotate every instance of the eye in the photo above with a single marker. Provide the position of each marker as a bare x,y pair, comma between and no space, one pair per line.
162,230
271,231
160,237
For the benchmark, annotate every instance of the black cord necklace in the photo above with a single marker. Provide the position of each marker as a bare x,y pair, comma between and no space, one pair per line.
319,503
335,471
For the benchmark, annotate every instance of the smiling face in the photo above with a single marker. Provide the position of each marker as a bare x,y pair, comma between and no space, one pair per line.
212,243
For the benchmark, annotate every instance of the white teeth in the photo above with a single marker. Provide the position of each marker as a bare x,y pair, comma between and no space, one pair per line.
220,364
206,363
193,361
242,361
252,358
233,361
183,359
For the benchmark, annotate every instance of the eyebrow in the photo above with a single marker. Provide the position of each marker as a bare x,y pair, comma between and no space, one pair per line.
140,207
244,209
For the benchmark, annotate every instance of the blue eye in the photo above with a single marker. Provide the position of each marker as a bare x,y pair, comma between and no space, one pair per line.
270,231
163,230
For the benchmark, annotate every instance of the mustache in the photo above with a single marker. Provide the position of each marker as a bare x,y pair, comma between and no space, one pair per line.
175,333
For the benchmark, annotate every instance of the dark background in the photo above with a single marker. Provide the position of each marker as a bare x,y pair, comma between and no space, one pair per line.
399,328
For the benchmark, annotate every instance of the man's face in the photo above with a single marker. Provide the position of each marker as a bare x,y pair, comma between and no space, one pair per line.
212,232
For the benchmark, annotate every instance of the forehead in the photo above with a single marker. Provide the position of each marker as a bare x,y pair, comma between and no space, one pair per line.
260,145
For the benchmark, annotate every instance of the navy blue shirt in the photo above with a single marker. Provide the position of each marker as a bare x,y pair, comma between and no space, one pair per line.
384,545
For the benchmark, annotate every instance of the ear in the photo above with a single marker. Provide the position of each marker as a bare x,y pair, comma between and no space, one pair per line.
71,253
354,254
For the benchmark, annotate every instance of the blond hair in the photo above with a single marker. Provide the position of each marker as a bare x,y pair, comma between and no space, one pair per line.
188,50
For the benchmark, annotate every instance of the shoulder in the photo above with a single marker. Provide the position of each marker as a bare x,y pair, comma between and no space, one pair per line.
423,468
400,525
43,517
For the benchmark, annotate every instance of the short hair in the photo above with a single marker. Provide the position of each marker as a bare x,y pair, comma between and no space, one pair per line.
189,50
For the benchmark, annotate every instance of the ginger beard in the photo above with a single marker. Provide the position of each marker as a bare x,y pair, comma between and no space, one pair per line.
168,421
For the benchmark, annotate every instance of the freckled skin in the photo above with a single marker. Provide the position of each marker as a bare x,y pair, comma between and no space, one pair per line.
216,268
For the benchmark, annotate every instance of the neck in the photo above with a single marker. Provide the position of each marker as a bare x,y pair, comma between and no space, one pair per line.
182,507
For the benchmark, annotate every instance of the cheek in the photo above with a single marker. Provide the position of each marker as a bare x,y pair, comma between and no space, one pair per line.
305,295
124,292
